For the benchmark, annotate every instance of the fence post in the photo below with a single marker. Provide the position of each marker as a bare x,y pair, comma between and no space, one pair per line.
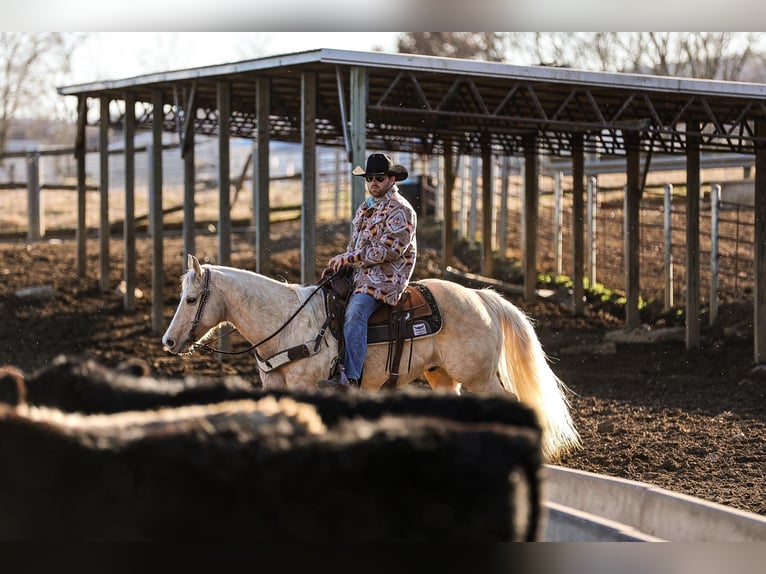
336,195
463,170
34,197
557,219
438,189
502,236
152,185
668,235
715,201
473,207
592,198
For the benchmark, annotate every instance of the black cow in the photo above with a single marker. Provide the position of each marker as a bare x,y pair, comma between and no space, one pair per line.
416,466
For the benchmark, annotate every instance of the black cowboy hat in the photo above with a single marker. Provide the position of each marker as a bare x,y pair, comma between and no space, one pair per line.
381,164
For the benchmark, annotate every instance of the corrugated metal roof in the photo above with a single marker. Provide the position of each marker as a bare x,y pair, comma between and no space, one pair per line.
420,103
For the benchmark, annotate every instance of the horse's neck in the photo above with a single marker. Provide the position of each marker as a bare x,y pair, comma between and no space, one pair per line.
255,304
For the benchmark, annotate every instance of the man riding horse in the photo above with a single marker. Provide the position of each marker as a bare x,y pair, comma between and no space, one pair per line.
381,255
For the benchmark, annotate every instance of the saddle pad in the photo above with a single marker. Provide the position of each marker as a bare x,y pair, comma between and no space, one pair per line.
424,317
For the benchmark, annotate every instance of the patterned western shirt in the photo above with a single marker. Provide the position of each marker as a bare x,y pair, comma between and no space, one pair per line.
383,247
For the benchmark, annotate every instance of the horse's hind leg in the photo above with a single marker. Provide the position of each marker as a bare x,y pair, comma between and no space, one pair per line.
440,380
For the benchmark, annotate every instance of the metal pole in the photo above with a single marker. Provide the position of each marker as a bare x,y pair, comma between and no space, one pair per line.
693,139
438,188
759,239
129,225
448,235
463,220
223,95
103,227
591,214
190,176
632,229
80,152
262,178
34,203
155,210
578,224
359,92
505,170
472,215
668,233
529,211
557,221
336,197
486,210
715,202
309,84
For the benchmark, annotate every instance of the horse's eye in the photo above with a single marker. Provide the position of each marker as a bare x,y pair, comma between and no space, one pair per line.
191,300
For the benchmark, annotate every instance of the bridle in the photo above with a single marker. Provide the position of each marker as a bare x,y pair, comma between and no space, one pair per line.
275,360
201,307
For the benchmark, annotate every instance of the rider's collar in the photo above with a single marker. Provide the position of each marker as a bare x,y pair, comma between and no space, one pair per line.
373,201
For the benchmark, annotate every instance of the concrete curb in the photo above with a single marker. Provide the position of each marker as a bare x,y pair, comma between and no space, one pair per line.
584,506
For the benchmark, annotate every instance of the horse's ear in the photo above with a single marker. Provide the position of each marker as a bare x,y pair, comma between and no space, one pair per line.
193,263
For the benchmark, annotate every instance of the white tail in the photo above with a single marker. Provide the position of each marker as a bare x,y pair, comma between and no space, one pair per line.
524,369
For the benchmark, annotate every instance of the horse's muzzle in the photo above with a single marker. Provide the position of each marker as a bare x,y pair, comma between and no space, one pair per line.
171,346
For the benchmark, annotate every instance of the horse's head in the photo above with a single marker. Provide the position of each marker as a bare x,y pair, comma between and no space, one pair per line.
198,310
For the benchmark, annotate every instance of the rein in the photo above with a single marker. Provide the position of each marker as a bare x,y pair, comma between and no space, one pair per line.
291,354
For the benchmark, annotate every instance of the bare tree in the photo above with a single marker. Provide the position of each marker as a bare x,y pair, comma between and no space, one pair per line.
488,46
31,64
710,55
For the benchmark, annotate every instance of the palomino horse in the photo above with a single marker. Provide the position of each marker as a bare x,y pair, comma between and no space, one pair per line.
486,344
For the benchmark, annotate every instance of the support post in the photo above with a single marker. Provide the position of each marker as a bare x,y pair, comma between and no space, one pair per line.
668,234
448,232
486,210
35,223
103,188
578,224
80,152
558,212
190,187
224,170
358,117
531,184
592,207
692,235
261,179
632,230
473,206
715,204
759,298
308,177
129,225
502,233
155,210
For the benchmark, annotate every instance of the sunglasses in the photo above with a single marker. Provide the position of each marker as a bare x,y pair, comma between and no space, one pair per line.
378,178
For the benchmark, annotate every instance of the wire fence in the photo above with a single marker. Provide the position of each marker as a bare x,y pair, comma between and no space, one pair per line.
735,239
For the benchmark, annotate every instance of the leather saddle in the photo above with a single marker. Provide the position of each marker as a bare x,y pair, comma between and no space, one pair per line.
417,308
415,315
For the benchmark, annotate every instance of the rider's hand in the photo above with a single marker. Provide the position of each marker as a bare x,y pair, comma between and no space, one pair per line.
335,263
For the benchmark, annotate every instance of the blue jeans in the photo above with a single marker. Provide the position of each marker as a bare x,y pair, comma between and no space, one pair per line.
360,307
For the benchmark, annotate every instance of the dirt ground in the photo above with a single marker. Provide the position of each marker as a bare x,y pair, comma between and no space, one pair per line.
692,421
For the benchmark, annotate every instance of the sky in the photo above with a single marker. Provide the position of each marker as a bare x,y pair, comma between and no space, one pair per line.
207,32
113,55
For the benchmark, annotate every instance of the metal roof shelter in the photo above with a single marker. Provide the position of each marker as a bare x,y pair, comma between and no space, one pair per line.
374,100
